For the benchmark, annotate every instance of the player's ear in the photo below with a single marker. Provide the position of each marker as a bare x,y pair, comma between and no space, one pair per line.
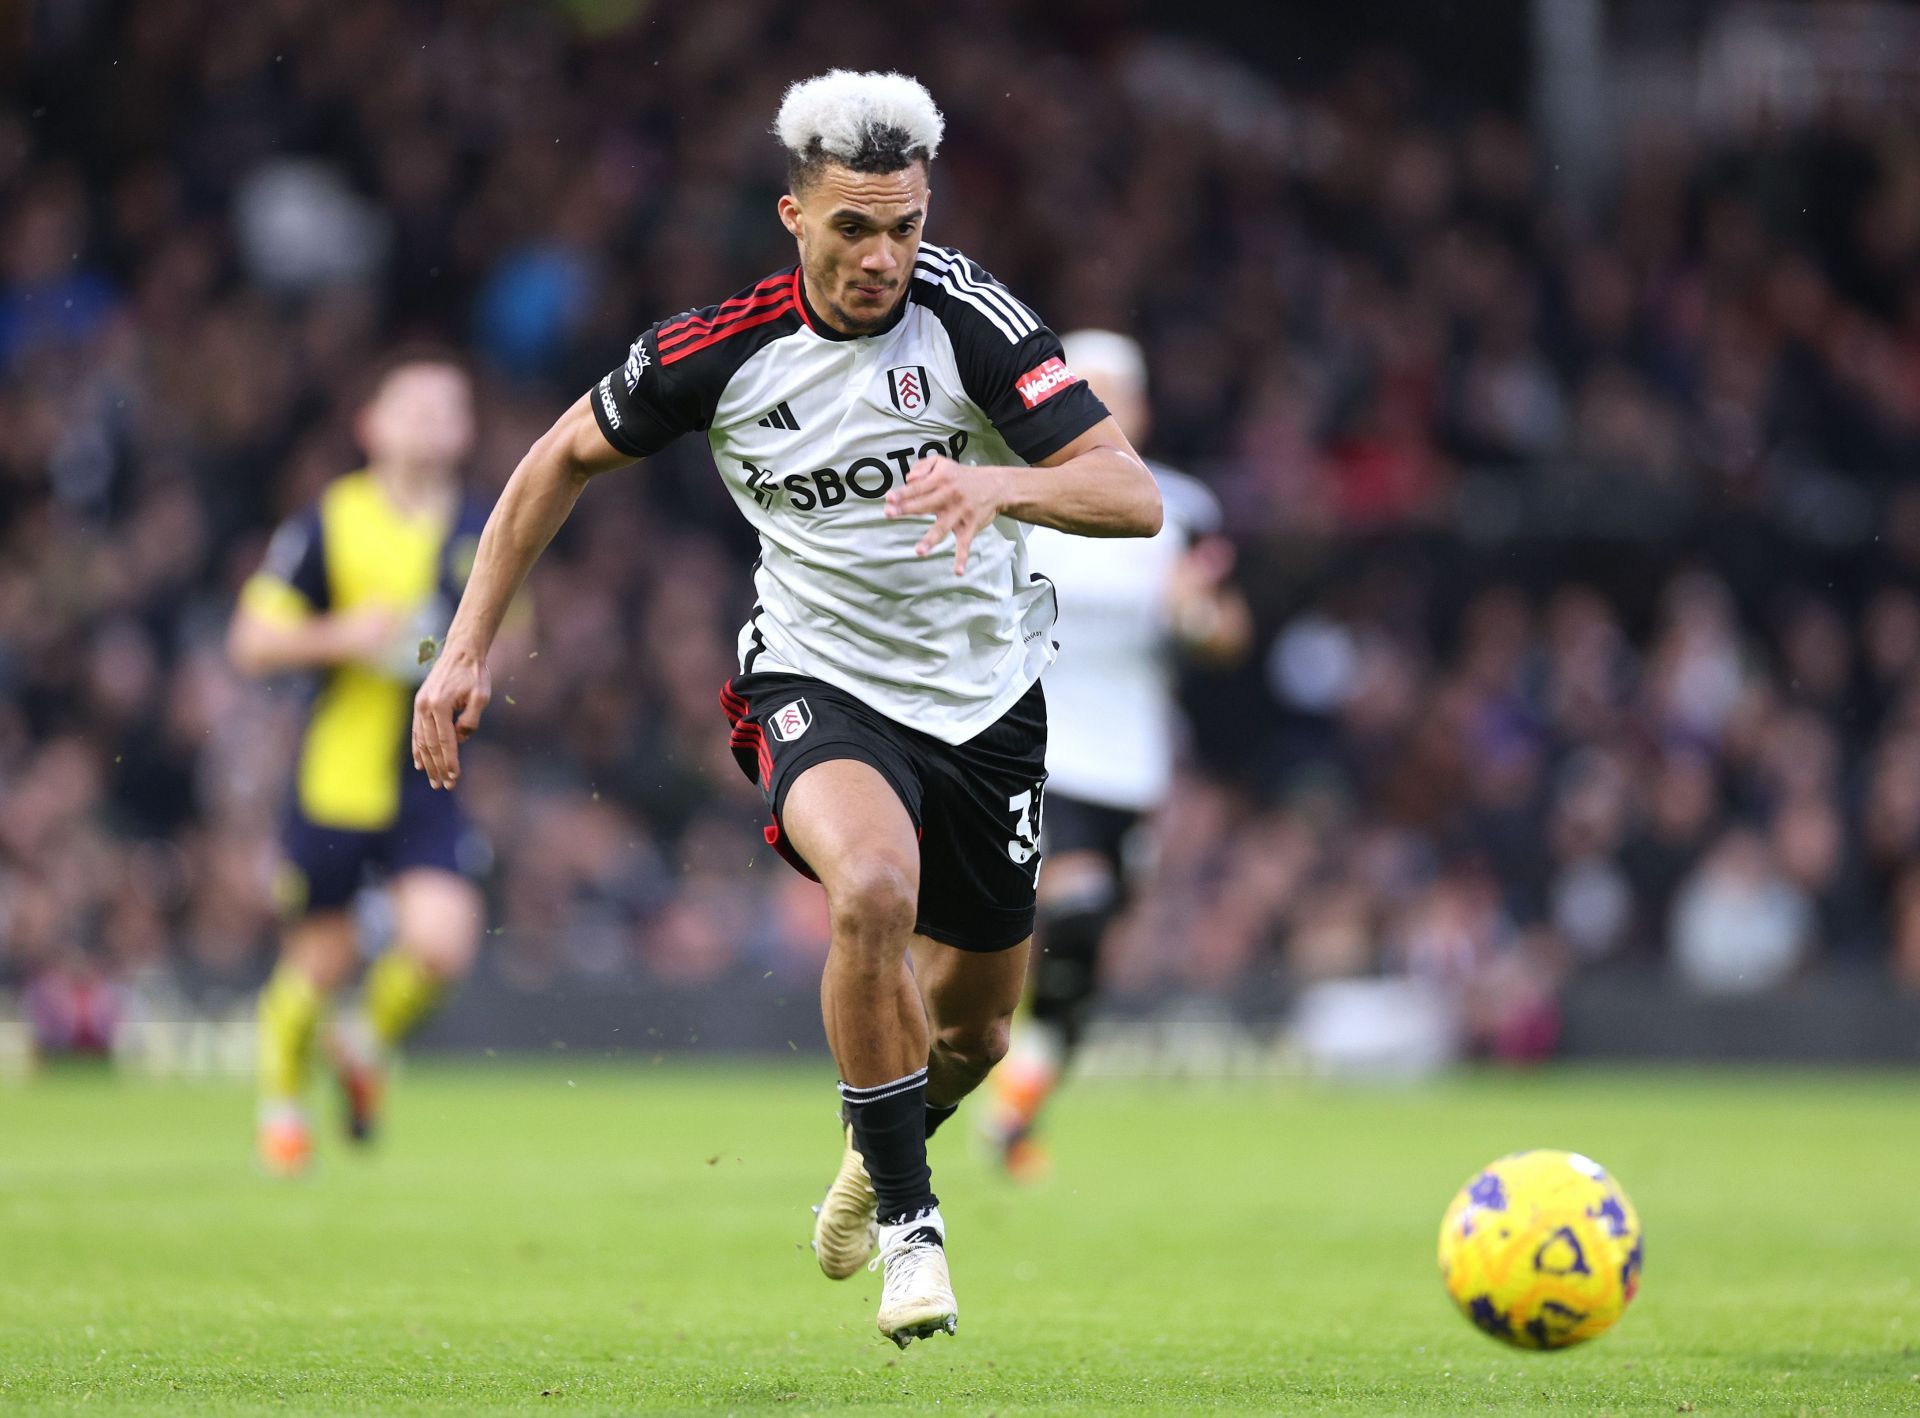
790,213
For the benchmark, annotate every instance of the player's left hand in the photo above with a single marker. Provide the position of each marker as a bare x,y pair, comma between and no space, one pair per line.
960,499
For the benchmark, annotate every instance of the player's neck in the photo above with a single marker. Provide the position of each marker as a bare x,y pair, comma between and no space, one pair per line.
412,490
817,314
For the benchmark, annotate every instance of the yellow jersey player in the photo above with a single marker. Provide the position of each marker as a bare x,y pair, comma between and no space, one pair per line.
349,590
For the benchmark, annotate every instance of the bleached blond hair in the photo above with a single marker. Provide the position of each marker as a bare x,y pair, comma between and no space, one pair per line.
870,122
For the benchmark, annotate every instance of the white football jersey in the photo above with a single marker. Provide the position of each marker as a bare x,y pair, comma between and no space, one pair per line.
1110,694
811,429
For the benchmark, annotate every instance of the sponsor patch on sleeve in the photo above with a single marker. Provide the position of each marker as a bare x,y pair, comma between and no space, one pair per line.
1043,381
637,361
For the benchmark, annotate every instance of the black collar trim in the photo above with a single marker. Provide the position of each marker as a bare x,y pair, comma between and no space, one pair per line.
826,332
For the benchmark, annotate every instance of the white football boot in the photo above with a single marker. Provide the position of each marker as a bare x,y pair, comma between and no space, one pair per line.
844,1233
916,1294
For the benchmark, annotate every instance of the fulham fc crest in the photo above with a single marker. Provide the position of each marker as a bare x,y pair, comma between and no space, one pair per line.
907,387
791,722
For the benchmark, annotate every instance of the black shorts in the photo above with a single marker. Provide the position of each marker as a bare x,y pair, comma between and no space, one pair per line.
976,805
323,867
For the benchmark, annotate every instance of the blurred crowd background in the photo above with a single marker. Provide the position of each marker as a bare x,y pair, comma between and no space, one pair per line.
1572,481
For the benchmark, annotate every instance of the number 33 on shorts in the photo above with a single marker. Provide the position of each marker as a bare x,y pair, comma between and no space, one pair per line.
1026,808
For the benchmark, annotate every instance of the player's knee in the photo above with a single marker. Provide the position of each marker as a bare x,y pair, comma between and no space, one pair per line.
1077,917
1067,964
1071,940
442,936
325,950
445,956
874,901
975,1047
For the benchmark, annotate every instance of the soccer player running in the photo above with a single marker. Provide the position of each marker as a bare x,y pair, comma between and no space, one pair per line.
888,418
348,590
1126,609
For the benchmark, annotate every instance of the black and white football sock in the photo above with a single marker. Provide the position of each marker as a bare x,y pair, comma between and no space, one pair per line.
889,1123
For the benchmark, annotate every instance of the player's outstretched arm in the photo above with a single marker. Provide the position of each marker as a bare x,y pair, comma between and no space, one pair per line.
260,644
1096,486
536,500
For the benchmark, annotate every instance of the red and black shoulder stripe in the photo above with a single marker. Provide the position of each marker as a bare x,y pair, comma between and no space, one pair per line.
775,299
675,374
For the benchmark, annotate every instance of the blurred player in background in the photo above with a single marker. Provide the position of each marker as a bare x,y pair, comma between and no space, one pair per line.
1127,608
349,590
876,404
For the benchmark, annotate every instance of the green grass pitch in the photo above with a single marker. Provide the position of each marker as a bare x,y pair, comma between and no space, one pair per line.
615,1238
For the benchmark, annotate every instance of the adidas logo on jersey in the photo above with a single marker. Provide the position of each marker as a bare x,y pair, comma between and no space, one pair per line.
781,417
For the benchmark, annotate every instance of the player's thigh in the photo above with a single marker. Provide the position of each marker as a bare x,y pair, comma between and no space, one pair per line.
843,783
847,821
437,917
971,992
320,872
430,857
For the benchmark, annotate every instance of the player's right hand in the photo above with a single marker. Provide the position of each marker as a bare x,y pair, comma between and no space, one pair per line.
447,711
